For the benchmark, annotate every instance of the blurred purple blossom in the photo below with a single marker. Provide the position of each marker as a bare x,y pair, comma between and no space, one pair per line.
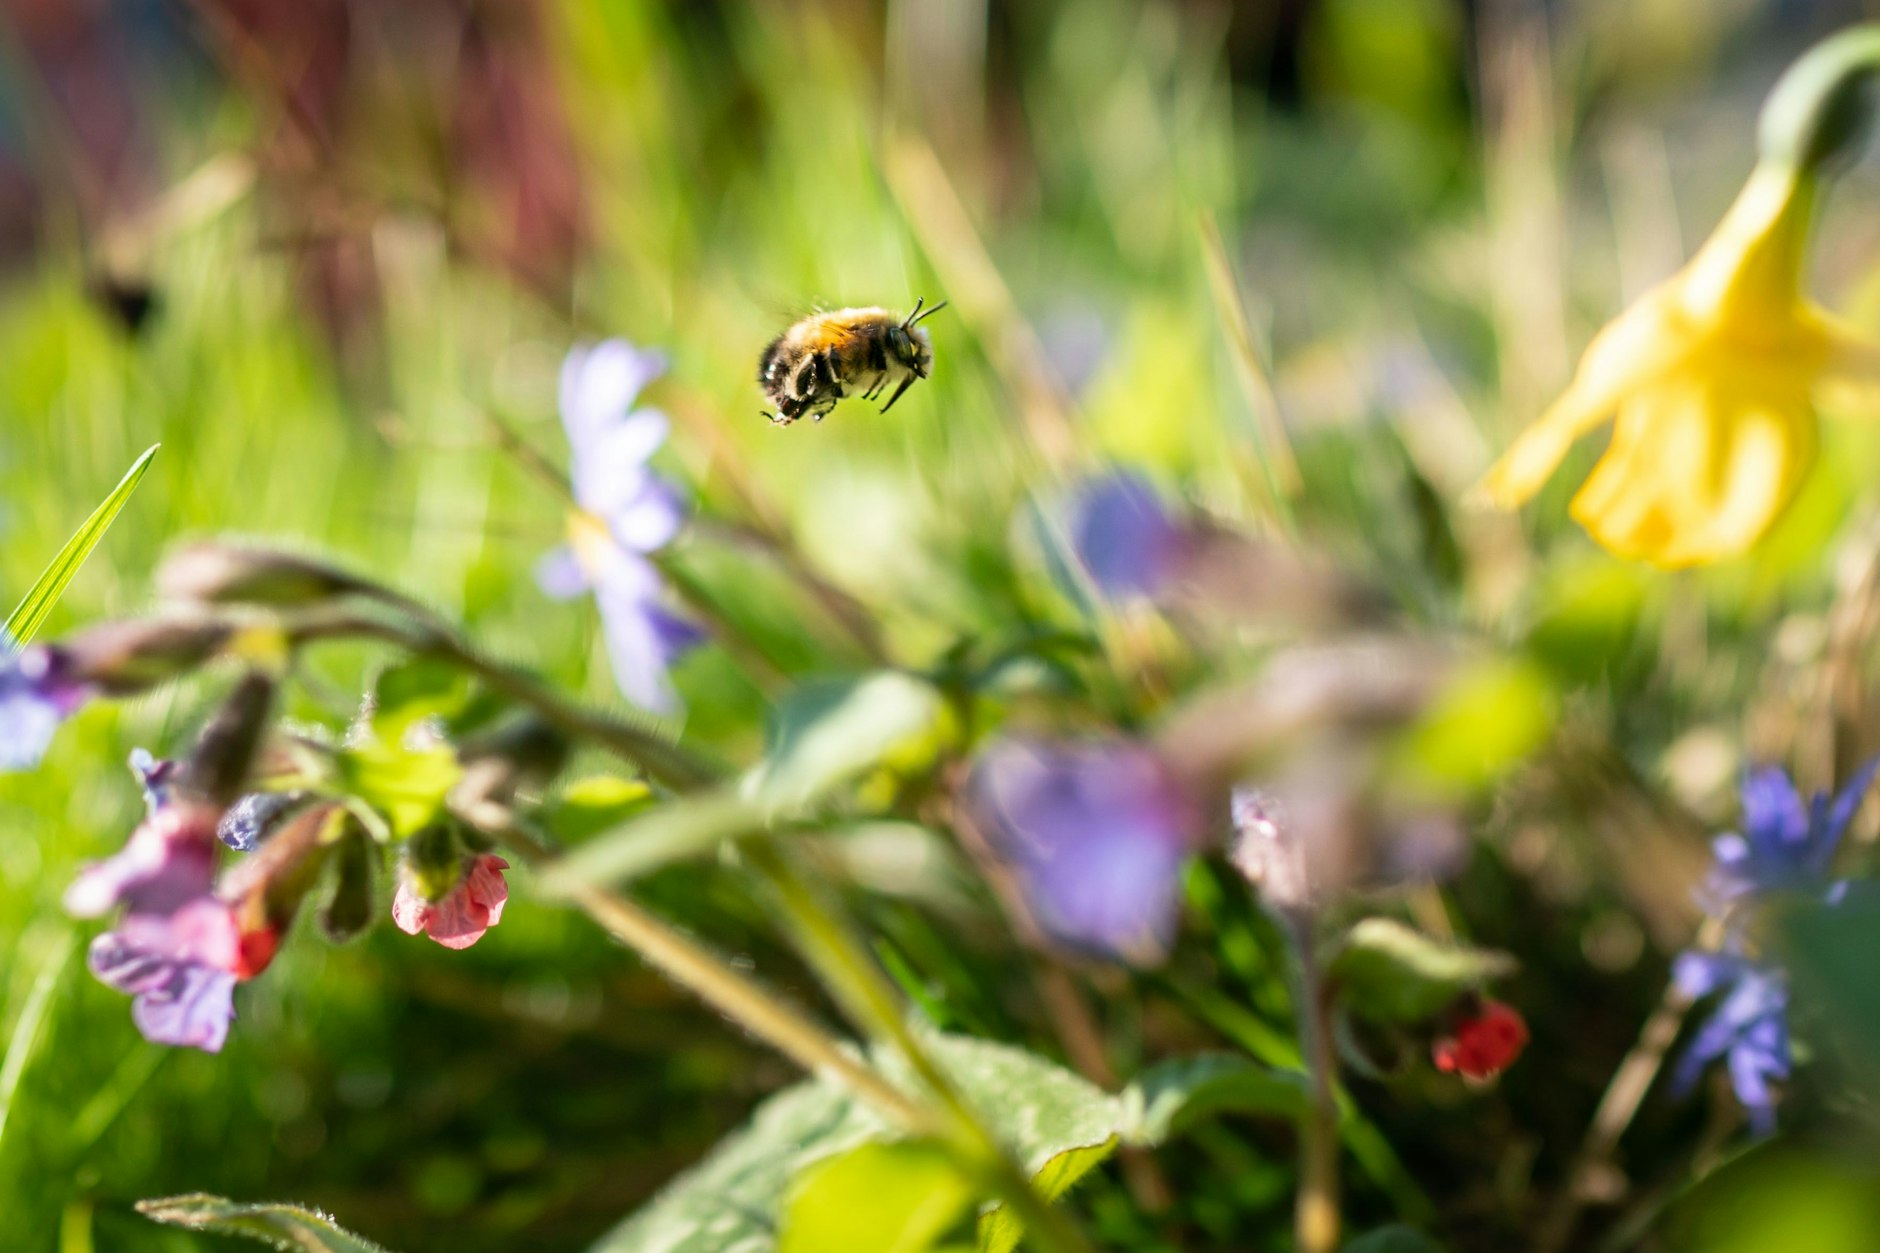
1786,845
624,512
1749,1028
1123,536
1097,834
37,692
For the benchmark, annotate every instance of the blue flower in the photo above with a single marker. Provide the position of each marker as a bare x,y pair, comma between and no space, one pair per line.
624,512
1749,1029
38,691
1127,542
1096,834
1785,845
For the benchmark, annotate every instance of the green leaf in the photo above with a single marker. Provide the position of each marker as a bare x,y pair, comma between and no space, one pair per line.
728,1202
676,830
1058,1125
1393,973
896,1198
1488,717
1395,1238
25,1038
1168,1098
407,785
31,612
1000,1230
590,805
827,734
411,691
292,1228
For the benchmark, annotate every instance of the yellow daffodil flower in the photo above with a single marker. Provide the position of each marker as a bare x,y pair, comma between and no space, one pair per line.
1713,377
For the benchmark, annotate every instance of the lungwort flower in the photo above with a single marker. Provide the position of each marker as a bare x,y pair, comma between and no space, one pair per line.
459,918
178,950
1712,378
1124,536
38,691
624,512
1096,835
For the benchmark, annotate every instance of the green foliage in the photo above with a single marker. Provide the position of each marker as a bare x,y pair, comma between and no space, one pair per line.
1394,973
1490,716
1058,1125
27,617
290,1228
404,783
1393,1239
828,734
896,1197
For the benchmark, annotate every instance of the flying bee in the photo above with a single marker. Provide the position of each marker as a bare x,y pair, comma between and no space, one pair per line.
827,356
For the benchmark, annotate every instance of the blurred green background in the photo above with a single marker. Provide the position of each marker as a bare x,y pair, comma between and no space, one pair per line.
312,249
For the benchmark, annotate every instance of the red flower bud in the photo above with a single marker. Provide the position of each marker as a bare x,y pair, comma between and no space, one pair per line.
1483,1043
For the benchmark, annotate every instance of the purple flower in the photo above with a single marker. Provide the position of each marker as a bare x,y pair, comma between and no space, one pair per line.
168,862
1785,845
1748,1030
1124,538
1097,835
37,692
178,950
624,512
179,968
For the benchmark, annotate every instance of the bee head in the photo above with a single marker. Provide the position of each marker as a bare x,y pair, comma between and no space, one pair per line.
909,344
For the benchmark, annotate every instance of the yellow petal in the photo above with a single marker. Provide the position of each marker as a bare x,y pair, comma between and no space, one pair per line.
1849,379
1632,351
1701,465
1752,262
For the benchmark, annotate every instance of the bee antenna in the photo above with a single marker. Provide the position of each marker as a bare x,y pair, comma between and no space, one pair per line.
918,316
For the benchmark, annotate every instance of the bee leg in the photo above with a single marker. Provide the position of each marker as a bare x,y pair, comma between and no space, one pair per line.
905,384
827,368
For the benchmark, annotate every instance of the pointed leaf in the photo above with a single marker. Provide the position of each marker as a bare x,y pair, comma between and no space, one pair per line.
1394,973
31,612
1168,1098
291,1228
830,733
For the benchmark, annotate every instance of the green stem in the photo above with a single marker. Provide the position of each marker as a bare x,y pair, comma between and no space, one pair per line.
1816,108
871,1001
1315,1212
746,1002
663,761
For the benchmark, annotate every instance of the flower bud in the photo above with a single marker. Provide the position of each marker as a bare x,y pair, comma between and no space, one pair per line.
266,888
525,753
349,910
218,573
126,658
217,770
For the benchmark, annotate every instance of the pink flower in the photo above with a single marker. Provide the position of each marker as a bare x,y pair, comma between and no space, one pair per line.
459,919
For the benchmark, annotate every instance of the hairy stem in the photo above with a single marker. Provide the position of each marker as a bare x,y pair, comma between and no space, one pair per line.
872,1003
1315,1212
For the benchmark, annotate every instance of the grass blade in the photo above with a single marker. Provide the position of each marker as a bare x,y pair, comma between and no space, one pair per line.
32,610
